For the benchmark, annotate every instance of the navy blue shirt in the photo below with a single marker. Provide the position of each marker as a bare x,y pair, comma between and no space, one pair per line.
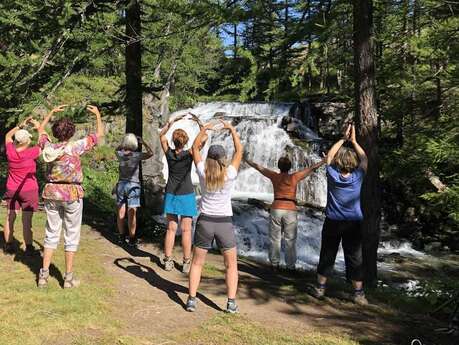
343,194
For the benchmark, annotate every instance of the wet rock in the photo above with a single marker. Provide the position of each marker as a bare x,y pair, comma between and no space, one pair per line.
259,204
433,247
392,258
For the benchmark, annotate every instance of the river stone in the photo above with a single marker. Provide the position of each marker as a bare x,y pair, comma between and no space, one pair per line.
433,246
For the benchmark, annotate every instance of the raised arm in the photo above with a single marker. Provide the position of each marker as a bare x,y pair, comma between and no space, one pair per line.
238,148
10,135
265,171
164,130
199,142
335,148
149,152
48,117
99,125
37,126
309,170
360,152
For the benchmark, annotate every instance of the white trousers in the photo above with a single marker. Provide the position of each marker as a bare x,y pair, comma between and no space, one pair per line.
67,215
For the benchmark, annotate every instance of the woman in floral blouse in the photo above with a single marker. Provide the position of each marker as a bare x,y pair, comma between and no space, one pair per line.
63,193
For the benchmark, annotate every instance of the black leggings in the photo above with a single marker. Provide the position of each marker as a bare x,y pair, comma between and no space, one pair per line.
350,232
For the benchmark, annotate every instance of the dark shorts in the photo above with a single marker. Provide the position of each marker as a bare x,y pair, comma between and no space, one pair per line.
219,228
25,200
350,233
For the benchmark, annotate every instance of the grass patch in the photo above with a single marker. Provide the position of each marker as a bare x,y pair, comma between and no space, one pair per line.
212,271
29,315
229,329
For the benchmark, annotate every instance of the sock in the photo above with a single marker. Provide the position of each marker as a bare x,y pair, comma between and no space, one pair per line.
191,298
43,270
68,274
231,300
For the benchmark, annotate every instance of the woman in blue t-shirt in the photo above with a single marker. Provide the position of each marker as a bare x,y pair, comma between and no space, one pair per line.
346,168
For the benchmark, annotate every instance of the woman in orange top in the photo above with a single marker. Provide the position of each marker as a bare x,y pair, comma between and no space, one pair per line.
284,216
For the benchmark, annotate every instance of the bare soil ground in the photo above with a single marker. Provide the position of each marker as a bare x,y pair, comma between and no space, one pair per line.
150,301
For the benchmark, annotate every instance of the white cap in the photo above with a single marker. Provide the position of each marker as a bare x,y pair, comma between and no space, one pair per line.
22,136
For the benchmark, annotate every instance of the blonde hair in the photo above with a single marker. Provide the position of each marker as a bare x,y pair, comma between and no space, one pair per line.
130,142
215,174
346,160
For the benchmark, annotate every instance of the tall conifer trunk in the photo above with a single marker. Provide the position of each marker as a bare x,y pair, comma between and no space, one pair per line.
133,69
367,118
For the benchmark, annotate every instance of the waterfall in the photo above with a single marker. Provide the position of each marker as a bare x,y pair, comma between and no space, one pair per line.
258,125
260,128
264,140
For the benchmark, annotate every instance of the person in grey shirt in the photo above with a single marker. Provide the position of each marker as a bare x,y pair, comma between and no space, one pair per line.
128,186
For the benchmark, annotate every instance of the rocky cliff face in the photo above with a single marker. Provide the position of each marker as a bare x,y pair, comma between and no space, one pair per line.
152,168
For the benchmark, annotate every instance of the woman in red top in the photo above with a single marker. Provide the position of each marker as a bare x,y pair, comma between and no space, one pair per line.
21,185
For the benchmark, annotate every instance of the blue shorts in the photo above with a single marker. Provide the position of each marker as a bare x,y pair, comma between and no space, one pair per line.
180,205
128,193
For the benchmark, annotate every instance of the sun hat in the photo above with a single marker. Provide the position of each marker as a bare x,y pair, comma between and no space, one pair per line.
216,152
22,136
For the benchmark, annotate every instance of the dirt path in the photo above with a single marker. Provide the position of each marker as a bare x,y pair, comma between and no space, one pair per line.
150,301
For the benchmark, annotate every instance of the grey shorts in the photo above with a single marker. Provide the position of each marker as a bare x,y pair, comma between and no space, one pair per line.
209,228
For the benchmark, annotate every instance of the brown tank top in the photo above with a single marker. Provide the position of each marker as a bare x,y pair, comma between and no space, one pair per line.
284,185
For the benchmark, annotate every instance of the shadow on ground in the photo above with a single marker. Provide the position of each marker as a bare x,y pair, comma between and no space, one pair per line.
170,288
389,320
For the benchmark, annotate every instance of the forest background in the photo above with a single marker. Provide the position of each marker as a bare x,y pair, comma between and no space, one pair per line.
179,52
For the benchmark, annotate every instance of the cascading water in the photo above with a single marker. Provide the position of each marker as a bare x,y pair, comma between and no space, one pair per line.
259,126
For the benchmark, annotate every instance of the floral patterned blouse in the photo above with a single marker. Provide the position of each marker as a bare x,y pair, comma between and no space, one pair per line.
65,174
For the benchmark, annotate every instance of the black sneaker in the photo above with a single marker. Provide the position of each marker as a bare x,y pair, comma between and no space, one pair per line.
121,239
275,268
191,304
9,248
31,251
133,242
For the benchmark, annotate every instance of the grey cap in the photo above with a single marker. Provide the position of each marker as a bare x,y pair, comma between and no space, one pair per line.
216,152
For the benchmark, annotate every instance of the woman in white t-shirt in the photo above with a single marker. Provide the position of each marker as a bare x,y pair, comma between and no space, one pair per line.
215,221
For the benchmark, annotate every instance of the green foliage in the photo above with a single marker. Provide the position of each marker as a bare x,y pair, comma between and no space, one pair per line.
100,169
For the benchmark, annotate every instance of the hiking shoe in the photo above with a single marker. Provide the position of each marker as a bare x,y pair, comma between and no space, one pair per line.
168,264
360,299
31,251
186,266
275,267
191,304
317,292
9,249
71,281
121,239
133,242
231,307
43,277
